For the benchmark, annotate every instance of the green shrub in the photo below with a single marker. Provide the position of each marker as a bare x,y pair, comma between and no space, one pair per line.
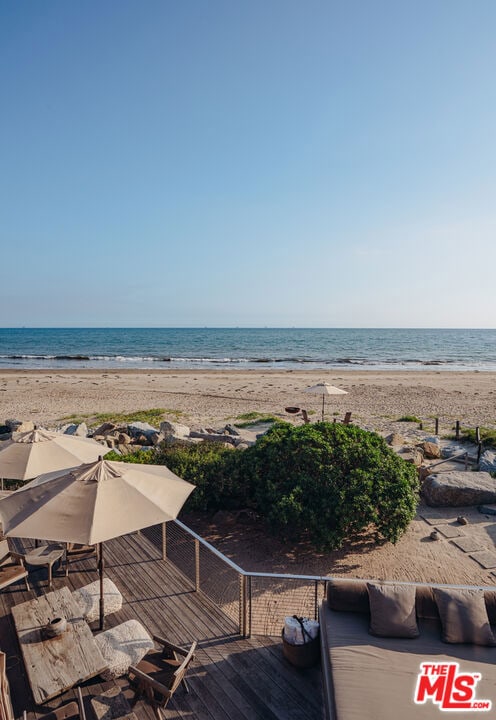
213,468
322,482
329,482
153,416
248,419
409,418
139,456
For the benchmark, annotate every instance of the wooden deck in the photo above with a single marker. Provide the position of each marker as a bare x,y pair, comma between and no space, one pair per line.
231,678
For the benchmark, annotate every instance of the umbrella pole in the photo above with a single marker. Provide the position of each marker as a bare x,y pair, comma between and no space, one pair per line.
323,405
100,570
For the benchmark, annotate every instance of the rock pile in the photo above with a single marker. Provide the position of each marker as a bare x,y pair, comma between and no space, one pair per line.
127,438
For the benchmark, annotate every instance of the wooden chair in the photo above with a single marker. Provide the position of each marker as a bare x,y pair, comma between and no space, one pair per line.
347,419
66,712
6,711
160,673
11,567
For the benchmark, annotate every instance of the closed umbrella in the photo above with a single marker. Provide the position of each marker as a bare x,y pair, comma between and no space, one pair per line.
324,389
93,503
39,451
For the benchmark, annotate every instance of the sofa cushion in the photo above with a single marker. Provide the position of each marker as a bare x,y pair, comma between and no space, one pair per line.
348,595
392,610
123,645
464,616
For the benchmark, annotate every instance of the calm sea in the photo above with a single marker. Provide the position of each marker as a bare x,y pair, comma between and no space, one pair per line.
247,348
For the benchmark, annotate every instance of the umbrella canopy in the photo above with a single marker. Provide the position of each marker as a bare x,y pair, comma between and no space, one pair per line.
93,503
324,389
39,451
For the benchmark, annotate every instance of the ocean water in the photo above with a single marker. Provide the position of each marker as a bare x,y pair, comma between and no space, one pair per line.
283,348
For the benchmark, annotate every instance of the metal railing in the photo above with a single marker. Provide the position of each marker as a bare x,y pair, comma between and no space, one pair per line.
257,602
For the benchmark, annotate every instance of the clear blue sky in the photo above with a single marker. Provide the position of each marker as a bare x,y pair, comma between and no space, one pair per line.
268,162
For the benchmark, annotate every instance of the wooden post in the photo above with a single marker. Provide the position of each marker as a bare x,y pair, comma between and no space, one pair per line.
197,565
477,435
164,541
457,430
479,452
421,426
436,431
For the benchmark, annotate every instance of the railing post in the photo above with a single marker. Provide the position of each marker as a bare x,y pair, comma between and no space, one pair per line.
249,606
197,565
316,601
164,541
242,605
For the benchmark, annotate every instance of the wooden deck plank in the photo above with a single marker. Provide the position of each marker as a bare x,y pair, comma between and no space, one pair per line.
231,678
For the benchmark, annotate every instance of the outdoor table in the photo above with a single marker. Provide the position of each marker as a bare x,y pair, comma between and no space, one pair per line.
57,664
46,555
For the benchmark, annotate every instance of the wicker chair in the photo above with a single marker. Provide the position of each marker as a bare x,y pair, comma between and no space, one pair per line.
160,673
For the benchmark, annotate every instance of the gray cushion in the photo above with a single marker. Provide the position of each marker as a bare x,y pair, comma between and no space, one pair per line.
464,616
392,610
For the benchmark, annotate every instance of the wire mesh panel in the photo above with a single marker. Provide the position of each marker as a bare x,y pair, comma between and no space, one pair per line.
258,602
180,547
220,582
154,535
274,598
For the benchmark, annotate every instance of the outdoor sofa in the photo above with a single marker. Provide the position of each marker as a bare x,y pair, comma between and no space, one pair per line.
370,676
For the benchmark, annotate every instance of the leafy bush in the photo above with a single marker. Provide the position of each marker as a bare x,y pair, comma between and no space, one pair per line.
323,482
409,418
153,416
212,468
248,419
329,482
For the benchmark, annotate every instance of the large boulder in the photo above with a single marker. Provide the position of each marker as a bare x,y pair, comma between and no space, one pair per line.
488,461
20,426
395,439
213,437
431,450
139,430
175,430
80,430
412,455
457,488
104,429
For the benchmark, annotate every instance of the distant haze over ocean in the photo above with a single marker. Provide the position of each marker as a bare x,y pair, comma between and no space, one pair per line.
244,348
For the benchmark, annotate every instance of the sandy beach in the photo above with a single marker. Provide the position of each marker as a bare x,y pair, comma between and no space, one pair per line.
376,400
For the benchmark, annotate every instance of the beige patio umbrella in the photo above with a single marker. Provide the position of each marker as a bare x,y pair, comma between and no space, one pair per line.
38,451
324,389
93,503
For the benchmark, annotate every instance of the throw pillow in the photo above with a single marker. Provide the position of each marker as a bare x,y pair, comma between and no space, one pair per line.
392,610
464,616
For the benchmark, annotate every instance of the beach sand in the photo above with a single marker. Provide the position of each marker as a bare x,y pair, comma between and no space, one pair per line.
376,400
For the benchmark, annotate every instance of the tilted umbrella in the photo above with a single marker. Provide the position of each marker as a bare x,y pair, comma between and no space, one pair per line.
93,503
38,451
324,389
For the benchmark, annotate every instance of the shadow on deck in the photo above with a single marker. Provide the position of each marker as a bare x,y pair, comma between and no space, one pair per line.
231,677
